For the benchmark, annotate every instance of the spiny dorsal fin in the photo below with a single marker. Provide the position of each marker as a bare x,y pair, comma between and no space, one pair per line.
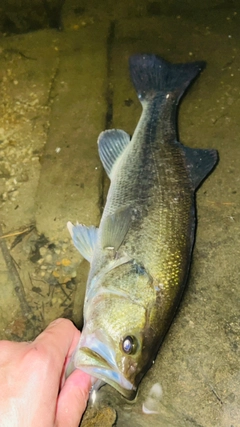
199,163
84,239
115,227
111,144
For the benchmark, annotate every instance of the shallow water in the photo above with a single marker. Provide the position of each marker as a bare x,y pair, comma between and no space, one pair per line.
59,90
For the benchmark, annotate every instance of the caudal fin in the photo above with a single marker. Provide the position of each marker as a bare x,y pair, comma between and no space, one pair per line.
151,74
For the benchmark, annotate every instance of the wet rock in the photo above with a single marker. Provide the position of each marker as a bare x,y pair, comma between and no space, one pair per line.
30,15
75,123
105,416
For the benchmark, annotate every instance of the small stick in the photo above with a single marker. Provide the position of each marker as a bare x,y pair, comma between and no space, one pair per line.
15,278
17,233
215,394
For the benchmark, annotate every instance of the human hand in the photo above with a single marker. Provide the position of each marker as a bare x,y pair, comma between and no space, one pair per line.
33,388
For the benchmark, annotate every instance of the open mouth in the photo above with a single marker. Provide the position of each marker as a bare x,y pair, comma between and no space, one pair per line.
98,359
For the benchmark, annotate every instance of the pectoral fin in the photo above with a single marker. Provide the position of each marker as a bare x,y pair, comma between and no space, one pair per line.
115,228
84,239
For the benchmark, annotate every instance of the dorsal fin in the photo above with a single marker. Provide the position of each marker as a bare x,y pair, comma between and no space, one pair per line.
84,239
111,144
199,163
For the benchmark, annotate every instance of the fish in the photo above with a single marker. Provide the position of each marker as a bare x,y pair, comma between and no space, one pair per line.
140,254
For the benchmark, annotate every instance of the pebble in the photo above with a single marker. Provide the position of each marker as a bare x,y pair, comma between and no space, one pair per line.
48,258
43,251
151,404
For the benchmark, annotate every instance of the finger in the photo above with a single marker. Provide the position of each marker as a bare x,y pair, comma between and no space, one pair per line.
59,339
72,400
9,348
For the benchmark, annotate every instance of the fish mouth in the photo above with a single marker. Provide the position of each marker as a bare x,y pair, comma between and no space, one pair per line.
97,358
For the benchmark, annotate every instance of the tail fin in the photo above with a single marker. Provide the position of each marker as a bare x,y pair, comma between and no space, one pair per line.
151,74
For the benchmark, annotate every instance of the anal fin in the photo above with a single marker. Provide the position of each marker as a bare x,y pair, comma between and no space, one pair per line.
111,145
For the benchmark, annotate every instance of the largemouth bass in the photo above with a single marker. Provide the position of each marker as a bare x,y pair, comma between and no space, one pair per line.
140,255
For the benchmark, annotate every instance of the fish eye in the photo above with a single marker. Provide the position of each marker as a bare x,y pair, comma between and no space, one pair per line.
129,345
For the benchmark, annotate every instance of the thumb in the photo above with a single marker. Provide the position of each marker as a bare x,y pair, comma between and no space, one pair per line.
72,400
